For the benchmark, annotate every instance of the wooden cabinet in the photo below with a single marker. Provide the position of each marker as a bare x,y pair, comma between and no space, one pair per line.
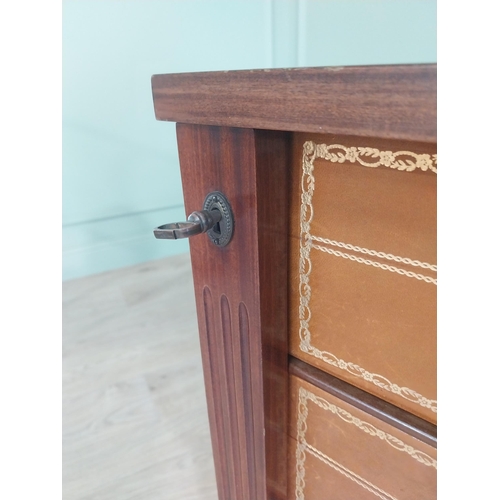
318,320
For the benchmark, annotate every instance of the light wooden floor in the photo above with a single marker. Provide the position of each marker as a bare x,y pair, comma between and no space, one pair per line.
135,421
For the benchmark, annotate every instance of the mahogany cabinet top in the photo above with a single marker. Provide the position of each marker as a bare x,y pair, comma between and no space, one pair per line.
396,102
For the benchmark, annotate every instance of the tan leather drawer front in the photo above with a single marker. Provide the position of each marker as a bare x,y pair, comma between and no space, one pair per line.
339,452
363,265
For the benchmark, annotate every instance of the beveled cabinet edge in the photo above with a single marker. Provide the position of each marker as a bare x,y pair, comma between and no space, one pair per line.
386,101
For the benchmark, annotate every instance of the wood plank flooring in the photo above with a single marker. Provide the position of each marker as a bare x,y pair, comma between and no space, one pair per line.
135,422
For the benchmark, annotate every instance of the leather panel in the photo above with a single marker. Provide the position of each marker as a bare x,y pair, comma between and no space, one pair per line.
363,265
338,452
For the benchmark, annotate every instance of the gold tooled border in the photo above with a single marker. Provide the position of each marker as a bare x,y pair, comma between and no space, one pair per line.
337,153
303,446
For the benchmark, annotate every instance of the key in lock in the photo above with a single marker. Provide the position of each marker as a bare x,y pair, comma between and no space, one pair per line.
216,219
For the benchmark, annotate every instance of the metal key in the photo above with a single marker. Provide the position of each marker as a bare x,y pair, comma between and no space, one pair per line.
216,219
197,223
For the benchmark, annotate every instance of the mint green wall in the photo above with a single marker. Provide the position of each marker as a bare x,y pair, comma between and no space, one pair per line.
120,167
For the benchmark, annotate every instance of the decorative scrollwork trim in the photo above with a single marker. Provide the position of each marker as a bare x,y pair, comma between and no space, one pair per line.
406,161
336,153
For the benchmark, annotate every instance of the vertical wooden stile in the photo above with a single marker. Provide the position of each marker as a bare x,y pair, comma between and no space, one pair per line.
241,293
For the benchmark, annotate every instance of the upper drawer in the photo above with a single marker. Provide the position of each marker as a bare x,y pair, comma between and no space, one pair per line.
363,265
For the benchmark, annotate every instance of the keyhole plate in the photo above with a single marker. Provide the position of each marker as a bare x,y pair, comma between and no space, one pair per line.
222,232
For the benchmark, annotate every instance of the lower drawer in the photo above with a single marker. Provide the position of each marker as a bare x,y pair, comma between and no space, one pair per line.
337,451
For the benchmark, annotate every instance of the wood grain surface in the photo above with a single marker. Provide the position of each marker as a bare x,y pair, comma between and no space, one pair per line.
241,296
235,136
396,102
